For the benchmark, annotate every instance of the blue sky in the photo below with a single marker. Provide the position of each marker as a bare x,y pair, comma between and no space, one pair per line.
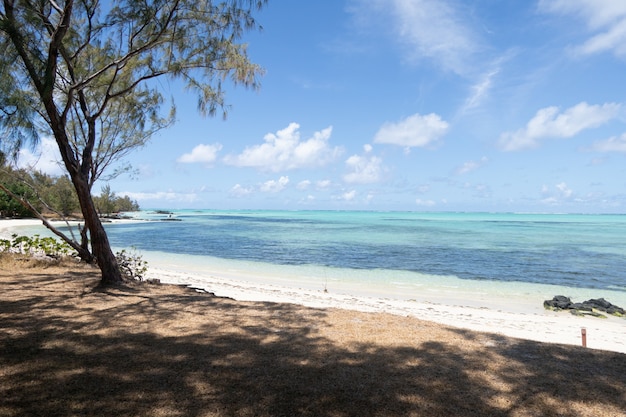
419,105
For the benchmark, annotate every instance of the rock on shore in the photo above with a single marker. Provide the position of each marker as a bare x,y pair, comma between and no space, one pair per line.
589,307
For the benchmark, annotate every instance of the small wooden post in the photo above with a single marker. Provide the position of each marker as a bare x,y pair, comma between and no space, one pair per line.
583,333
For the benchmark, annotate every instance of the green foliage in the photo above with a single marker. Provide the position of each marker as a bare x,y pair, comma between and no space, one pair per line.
54,193
126,204
105,203
57,193
108,202
132,265
61,196
9,207
36,245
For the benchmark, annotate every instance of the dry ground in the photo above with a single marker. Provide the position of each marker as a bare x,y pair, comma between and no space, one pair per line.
69,348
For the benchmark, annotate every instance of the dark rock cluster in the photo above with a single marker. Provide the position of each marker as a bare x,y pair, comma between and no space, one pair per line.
589,307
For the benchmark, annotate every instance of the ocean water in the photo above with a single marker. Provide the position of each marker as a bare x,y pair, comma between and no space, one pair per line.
464,258
565,250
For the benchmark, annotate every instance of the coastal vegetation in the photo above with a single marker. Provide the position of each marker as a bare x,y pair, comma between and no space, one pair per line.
46,250
31,193
36,246
84,74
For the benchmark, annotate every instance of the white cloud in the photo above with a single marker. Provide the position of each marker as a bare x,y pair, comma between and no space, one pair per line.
414,131
483,82
613,39
564,190
613,144
45,158
606,19
557,194
303,185
480,90
204,154
348,195
425,203
168,196
284,150
430,29
480,190
239,191
600,161
363,169
550,123
274,186
470,166
323,184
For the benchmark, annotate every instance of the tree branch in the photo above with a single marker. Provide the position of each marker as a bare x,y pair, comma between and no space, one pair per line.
156,38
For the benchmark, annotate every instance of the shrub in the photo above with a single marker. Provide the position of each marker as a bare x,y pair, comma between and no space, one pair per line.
132,265
36,245
5,245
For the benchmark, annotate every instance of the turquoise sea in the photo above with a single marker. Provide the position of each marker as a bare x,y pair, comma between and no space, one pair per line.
571,250
406,255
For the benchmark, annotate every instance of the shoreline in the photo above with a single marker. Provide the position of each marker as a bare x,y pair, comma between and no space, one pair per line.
521,317
535,324
8,226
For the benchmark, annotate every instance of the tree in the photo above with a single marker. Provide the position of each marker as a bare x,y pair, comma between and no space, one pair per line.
84,72
64,199
126,204
108,202
13,189
46,193
10,206
105,203
56,193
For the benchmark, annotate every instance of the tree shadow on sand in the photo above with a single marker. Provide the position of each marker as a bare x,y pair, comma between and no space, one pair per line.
68,349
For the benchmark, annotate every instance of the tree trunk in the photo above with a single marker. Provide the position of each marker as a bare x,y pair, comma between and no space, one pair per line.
100,246
46,86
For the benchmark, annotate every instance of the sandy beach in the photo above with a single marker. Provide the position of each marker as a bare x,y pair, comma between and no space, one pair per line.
8,226
493,315
72,348
520,316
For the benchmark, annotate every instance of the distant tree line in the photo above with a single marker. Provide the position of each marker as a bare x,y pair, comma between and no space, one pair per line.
51,195
108,202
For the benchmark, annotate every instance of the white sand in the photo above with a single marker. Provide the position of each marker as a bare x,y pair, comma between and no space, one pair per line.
461,307
7,227
473,314
10,226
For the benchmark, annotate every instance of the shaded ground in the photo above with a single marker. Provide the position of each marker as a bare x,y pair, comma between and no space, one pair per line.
68,348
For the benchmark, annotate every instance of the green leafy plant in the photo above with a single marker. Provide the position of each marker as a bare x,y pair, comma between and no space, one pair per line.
36,245
132,265
52,247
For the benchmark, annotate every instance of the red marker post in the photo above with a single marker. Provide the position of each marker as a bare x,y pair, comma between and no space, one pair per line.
583,333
